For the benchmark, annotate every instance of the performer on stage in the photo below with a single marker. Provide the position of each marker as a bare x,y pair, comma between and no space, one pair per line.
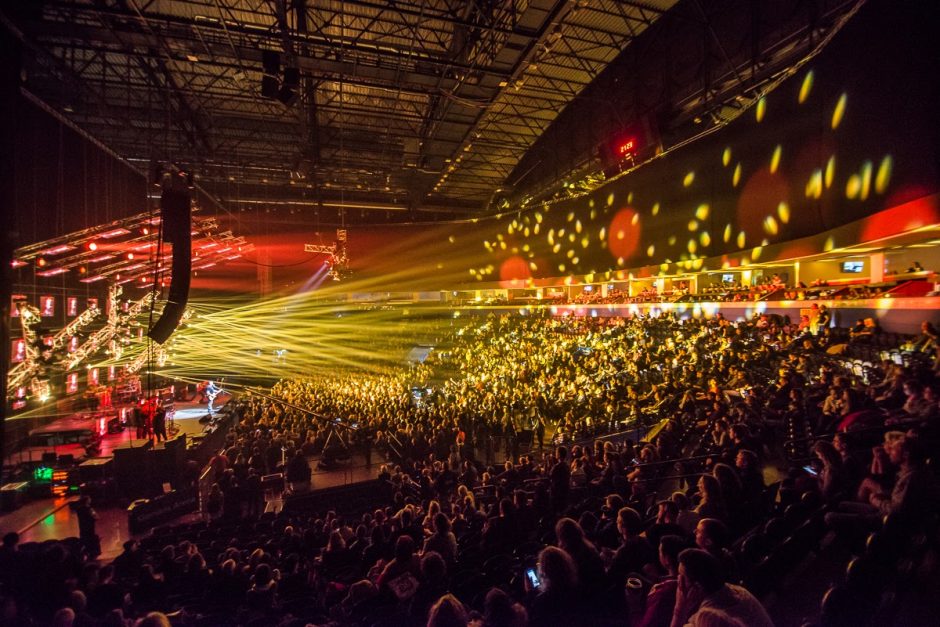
159,424
211,391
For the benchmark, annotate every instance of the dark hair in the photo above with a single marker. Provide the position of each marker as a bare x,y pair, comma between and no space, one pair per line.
447,612
433,567
630,519
702,568
404,548
559,569
671,546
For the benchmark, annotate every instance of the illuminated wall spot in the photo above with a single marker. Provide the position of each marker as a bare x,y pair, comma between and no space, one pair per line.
655,210
853,186
698,263
672,240
839,112
551,236
775,159
663,267
571,237
570,254
761,109
610,200
755,253
451,239
473,271
556,248
692,246
561,233
585,241
532,266
726,236
561,267
830,171
575,261
514,269
783,212
626,225
742,239
884,174
525,247
650,250
814,185
702,212
866,181
577,226
693,225
829,244
603,233
535,229
806,87
621,261
499,236
538,217
770,225
525,232
736,177
591,203
689,179
570,216
593,213
726,156
502,245
704,238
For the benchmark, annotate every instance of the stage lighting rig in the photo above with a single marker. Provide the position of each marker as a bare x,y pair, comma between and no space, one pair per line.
338,258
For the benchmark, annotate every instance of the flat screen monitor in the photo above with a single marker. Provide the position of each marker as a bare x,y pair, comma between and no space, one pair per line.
854,267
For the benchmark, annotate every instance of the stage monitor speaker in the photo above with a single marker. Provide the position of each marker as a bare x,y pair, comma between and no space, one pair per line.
175,210
133,468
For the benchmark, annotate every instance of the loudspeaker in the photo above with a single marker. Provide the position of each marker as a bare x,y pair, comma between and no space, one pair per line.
291,78
269,86
175,211
271,61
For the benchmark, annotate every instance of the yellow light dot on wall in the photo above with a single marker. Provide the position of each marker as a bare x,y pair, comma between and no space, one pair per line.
621,234
551,236
610,200
451,239
502,245
635,219
532,266
761,109
884,174
593,214
570,254
775,159
755,254
736,177
742,239
525,232
770,225
570,216
839,112
689,179
571,237
650,250
561,267
693,225
575,260
538,217
830,171
783,212
655,210
698,263
577,226
702,212
603,234
561,232
806,87
814,185
726,156
535,229
866,180
692,246
556,248
621,261
585,241
853,186
829,244
672,240
704,238
525,248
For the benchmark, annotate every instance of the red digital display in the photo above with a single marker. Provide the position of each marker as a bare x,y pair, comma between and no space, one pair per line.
626,147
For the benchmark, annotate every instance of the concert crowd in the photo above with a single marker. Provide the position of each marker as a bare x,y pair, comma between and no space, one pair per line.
542,470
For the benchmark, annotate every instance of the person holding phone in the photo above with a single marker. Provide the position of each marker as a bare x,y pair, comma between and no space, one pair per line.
553,589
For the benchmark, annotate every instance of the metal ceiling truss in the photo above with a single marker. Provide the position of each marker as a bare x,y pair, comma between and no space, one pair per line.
391,93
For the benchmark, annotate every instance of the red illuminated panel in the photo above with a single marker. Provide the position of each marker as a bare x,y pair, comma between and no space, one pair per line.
18,353
71,383
47,306
73,344
92,303
71,306
112,373
626,147
93,376
14,310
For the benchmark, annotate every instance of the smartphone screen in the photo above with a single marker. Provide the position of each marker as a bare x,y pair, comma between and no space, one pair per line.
533,577
810,470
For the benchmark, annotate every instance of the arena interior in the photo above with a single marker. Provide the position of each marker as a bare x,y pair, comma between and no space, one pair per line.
489,313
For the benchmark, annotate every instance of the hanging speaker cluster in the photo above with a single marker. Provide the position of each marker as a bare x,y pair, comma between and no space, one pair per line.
273,85
175,205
